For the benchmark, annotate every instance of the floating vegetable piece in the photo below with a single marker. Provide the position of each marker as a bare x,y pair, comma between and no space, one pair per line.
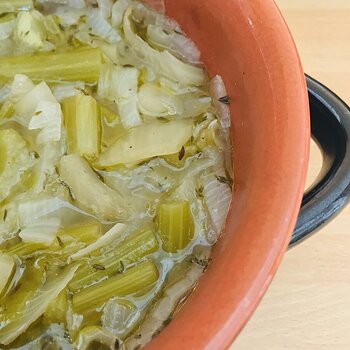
13,324
29,31
175,224
7,24
114,260
136,279
43,231
109,237
146,141
48,118
15,159
119,85
8,269
89,191
82,119
82,64
86,232
164,63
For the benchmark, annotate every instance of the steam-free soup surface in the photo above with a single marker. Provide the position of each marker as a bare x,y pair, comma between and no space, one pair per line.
114,172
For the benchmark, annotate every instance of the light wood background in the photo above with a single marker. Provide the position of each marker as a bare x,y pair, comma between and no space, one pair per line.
308,304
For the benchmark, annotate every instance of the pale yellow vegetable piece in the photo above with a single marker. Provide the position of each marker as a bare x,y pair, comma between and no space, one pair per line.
15,158
147,141
89,191
7,271
82,118
175,223
91,337
134,280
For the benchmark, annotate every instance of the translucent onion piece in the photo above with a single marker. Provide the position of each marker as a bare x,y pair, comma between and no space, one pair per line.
21,85
163,62
158,5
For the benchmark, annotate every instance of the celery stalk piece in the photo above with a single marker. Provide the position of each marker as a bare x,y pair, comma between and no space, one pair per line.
89,192
15,5
146,141
82,64
130,250
82,119
87,232
23,249
175,223
132,281
8,269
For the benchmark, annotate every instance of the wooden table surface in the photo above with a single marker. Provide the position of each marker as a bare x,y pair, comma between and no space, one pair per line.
308,304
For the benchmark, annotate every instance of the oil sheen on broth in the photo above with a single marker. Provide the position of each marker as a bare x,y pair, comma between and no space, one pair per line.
115,172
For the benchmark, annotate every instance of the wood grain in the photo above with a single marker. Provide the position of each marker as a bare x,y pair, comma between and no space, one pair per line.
308,304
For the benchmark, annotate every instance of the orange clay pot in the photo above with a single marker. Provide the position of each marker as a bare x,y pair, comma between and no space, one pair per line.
248,43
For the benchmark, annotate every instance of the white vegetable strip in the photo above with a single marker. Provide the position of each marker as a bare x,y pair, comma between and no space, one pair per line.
100,26
21,85
118,10
35,307
42,231
217,197
67,90
31,210
28,104
119,84
48,118
163,62
217,91
111,236
178,44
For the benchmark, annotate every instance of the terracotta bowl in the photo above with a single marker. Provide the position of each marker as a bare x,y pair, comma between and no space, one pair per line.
248,43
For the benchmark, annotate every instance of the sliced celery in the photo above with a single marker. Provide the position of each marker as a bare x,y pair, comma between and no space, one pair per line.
132,249
83,123
175,225
87,232
15,5
82,64
132,281
23,249
8,269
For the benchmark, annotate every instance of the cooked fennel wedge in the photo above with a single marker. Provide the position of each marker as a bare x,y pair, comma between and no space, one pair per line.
146,141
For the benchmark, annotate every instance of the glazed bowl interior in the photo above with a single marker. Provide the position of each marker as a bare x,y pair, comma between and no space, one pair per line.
249,45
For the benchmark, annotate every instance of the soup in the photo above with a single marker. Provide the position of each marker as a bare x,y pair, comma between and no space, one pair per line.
115,174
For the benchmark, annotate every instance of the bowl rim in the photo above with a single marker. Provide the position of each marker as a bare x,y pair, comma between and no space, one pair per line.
220,336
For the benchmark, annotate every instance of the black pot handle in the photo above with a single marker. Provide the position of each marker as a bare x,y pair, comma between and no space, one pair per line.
330,127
